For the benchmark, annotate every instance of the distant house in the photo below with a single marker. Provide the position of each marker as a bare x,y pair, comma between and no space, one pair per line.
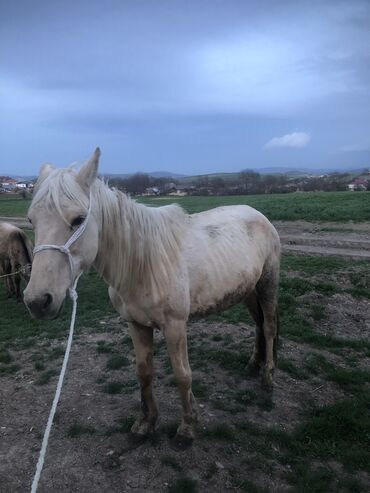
359,184
152,191
180,190
7,184
21,185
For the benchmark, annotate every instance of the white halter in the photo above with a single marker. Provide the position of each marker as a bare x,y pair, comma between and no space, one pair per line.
65,249
73,294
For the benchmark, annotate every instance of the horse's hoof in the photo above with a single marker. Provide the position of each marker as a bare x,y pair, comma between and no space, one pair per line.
136,439
253,368
267,381
181,442
143,427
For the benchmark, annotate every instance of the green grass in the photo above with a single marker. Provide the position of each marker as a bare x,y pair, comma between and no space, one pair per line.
310,206
113,387
77,429
291,368
350,380
18,329
117,361
13,205
322,265
45,377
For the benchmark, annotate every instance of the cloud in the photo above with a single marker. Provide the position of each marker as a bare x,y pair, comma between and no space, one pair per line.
354,148
295,139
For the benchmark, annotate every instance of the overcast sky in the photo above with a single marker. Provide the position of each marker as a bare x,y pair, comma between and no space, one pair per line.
186,86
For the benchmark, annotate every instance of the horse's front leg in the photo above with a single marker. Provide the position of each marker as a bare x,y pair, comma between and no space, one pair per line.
175,334
142,338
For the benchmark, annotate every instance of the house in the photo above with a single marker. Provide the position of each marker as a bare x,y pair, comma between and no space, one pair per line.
359,184
152,191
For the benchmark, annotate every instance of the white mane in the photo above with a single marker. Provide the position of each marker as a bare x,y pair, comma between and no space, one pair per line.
139,246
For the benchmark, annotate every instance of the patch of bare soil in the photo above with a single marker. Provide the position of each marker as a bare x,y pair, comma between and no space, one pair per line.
90,450
345,316
338,239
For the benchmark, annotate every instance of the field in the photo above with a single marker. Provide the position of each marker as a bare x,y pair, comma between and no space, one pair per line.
309,206
310,435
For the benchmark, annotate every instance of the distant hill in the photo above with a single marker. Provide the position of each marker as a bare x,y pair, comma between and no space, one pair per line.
273,170
154,174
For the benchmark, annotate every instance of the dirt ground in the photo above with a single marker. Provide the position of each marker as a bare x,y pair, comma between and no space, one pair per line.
90,448
98,454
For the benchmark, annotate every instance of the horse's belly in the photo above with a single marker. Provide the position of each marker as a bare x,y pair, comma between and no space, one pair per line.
224,265
213,290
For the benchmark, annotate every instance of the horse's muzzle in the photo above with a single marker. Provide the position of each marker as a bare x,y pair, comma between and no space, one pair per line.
43,306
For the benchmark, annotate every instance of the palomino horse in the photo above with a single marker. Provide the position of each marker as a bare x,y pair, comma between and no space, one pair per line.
162,266
15,258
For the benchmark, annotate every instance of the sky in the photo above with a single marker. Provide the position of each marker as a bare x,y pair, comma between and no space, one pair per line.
190,87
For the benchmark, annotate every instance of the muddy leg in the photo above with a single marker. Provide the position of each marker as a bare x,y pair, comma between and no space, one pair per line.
17,283
175,335
142,338
270,330
10,287
258,358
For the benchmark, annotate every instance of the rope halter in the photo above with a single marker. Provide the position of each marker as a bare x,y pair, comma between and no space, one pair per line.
66,250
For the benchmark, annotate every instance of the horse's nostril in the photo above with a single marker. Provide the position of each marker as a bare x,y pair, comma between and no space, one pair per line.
48,299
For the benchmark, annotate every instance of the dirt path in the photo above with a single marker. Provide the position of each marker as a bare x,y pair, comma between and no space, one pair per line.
342,240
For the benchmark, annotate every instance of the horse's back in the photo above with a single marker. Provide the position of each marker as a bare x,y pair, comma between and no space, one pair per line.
227,251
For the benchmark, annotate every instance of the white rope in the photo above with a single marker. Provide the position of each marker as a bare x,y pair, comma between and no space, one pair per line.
20,271
73,294
40,463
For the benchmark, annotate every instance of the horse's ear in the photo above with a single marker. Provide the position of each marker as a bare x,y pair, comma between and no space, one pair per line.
89,171
45,170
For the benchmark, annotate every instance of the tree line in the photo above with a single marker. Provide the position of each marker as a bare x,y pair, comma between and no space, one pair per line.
245,182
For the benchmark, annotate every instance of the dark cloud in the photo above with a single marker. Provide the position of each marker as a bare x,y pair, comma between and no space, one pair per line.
193,84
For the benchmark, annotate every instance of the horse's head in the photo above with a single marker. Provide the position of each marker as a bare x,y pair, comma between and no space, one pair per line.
61,204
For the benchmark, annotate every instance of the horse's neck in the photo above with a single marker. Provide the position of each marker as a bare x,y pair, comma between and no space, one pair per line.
137,245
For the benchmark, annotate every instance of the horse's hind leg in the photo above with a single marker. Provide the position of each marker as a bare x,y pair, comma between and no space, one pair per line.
142,338
267,299
175,334
258,358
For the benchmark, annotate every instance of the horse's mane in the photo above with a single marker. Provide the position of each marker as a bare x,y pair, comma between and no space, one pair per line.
139,246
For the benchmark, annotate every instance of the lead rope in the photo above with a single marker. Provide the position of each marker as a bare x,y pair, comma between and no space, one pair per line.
73,294
40,463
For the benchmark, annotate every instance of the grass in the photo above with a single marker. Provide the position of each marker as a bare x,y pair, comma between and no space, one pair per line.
45,377
114,387
13,205
117,362
310,206
337,433
77,429
18,329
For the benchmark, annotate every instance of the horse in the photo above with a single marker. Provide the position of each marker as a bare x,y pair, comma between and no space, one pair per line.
162,266
15,258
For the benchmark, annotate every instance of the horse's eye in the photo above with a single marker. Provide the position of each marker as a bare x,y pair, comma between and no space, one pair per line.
29,220
77,221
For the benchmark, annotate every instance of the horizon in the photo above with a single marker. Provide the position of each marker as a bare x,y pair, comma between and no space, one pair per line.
191,89
282,170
